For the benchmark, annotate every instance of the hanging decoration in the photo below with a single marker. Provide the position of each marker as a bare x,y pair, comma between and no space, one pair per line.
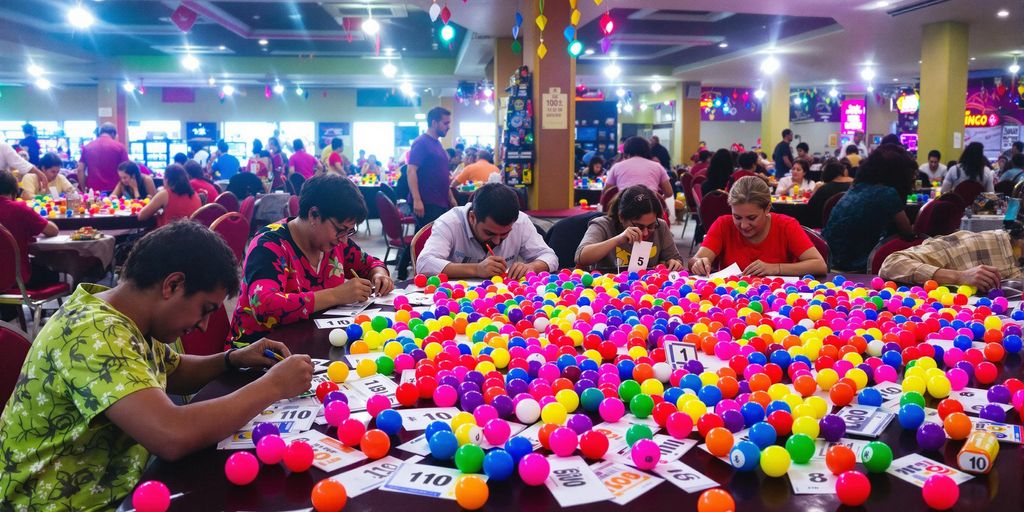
142,87
446,14
517,47
434,11
607,25
266,92
542,21
346,23
575,47
475,93
729,104
814,105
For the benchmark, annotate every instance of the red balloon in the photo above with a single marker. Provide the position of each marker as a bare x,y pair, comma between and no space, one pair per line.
298,457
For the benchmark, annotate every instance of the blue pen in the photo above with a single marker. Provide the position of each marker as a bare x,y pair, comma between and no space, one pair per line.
272,355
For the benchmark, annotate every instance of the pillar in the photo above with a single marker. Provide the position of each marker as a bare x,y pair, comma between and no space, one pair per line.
774,111
448,103
506,62
554,78
687,125
111,108
943,89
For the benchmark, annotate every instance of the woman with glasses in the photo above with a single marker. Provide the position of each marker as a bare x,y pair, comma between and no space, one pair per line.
761,243
633,216
309,263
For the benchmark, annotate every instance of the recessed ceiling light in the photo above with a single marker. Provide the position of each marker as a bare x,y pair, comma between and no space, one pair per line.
278,88
80,17
868,74
299,91
190,62
43,84
264,42
295,16
612,71
871,88
1003,13
222,47
770,65
35,70
128,86
389,70
211,81
407,89
723,44
656,86
588,51
371,26
973,58
881,4
895,79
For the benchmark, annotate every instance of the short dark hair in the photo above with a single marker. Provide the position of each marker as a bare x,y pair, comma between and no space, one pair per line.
297,144
451,152
935,153
180,158
437,114
194,170
257,146
636,146
8,184
222,146
483,154
1018,145
337,143
890,165
832,170
498,202
130,168
633,203
176,180
852,149
1017,161
892,138
50,160
109,129
187,247
334,197
748,160
787,132
804,146
704,155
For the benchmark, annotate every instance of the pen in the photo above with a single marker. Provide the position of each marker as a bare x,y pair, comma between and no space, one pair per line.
488,246
272,355
373,289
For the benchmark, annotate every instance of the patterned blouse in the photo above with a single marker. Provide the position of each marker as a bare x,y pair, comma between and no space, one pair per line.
279,281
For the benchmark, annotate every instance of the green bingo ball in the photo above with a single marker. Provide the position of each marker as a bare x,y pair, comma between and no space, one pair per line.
379,323
912,397
385,365
469,458
628,389
587,280
434,280
641,405
591,399
638,432
800,448
877,456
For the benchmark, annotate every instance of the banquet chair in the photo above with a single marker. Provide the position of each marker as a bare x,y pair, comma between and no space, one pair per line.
247,208
686,184
826,209
13,290
293,206
736,176
888,246
419,240
295,182
228,200
565,237
403,206
820,244
607,195
208,213
234,229
939,218
15,345
213,339
391,225
969,191
709,208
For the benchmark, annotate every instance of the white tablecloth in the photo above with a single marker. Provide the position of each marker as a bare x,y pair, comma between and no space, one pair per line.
979,223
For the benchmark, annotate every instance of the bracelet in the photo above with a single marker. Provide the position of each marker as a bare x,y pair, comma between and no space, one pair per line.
227,359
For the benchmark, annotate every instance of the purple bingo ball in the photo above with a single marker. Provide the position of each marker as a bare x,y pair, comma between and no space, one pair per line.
471,400
335,396
931,436
999,394
503,404
832,427
579,423
993,412
733,420
264,429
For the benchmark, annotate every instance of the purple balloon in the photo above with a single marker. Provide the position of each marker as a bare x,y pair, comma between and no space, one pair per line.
264,429
993,412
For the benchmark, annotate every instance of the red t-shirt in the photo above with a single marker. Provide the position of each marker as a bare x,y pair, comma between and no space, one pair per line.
204,186
257,167
335,158
24,223
785,242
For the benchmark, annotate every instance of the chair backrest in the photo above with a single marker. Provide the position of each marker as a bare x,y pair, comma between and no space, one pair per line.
390,192
1004,187
390,217
247,208
939,218
886,247
293,206
228,200
419,240
206,214
10,260
15,346
607,195
712,206
968,191
212,341
1018,189
686,183
234,229
831,203
295,182
820,244
953,198
565,237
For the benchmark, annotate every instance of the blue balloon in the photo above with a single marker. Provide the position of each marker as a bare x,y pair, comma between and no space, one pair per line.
390,421
518,447
745,456
498,464
443,445
869,396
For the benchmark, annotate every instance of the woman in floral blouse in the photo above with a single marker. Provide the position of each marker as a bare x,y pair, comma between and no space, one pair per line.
302,265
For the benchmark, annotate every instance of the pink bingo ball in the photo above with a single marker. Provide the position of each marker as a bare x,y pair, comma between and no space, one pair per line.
497,431
534,469
445,396
336,412
351,432
958,378
377,403
679,425
153,496
563,441
645,454
270,449
484,413
242,468
611,409
940,492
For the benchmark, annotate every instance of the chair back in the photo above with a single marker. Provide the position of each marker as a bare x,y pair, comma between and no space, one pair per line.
969,191
939,218
1004,187
607,195
228,200
247,208
390,217
419,240
206,214
712,206
293,206
565,237
234,229
15,346
389,191
826,209
10,261
820,244
686,183
886,247
212,341
953,198
295,182
1018,189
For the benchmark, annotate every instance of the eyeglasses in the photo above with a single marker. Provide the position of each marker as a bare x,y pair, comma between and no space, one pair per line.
645,227
340,231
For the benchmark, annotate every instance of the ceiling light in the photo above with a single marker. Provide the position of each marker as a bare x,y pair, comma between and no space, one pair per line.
190,62
588,51
1014,68
723,44
43,84
655,87
128,86
974,58
371,27
35,70
1003,13
759,94
406,89
264,42
389,70
620,92
489,107
628,107
871,88
575,48
868,74
882,3
797,101
278,88
211,81
643,107
447,33
80,17
228,89
770,65
299,91
612,71
222,47
833,92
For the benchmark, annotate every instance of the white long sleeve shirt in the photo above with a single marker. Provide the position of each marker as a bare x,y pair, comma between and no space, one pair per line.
10,159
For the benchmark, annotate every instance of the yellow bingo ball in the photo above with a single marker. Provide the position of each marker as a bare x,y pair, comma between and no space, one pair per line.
827,378
778,391
939,386
775,461
708,378
858,376
651,387
806,425
366,367
485,367
554,413
914,383
993,322
569,399
695,409
462,418
819,405
338,372
803,410
469,433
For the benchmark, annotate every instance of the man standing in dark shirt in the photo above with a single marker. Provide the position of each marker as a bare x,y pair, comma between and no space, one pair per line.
30,143
660,153
783,154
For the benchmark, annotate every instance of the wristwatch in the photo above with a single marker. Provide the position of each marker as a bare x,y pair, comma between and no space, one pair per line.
227,359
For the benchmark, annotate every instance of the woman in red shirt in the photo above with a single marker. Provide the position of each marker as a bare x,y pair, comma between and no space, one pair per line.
177,198
199,182
761,243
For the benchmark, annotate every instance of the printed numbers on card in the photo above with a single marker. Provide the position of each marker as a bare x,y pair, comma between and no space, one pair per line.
570,477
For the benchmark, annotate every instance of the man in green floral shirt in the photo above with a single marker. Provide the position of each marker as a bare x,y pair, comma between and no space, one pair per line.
91,402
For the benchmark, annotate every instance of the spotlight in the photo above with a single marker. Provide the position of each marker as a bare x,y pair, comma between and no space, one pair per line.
1014,68
655,87
278,88
43,84
575,48
612,71
35,70
643,107
770,65
228,90
190,62
1003,13
128,86
211,81
371,27
406,89
871,88
299,91
447,33
489,107
723,44
620,92
797,101
759,94
389,70
80,17
628,107
868,74
263,42
588,51
833,92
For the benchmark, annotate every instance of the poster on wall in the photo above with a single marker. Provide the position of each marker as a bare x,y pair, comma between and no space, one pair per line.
329,131
991,137
203,132
1001,96
729,104
813,105
853,116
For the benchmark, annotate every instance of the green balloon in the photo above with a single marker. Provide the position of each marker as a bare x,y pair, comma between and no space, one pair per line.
469,458
912,397
628,389
638,432
877,456
800,448
641,405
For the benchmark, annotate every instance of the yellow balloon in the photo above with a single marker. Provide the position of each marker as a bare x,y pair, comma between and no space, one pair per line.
554,413
569,399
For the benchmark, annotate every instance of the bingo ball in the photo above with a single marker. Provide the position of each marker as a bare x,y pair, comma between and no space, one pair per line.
832,427
528,411
270,449
745,456
323,388
645,454
611,409
853,488
471,492
518,447
594,444
679,425
940,492
911,416
958,426
337,371
298,456
775,461
840,459
329,496
638,432
242,468
563,441
469,458
930,436
497,431
498,464
389,421
351,431
338,337
534,469
336,412
443,445
263,429
876,456
375,443
719,441
716,500
377,403
800,448
151,496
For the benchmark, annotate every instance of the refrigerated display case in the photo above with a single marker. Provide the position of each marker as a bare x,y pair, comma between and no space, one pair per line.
155,154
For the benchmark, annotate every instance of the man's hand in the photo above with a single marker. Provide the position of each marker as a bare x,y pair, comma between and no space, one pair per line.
518,270
418,208
490,267
291,377
353,290
982,277
252,356
700,266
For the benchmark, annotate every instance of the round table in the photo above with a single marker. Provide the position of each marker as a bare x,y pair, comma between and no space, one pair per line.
592,195
79,259
102,222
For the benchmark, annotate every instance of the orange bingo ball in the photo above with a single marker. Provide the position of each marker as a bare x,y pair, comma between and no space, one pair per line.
716,500
957,425
840,459
805,385
329,496
720,441
471,492
375,444
841,394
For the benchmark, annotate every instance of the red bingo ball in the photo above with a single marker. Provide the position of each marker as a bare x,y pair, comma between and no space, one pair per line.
840,459
407,394
323,388
298,457
593,444
351,431
949,406
375,444
853,488
241,468
940,492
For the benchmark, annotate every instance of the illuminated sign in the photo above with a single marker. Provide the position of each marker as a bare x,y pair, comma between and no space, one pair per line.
853,116
973,120
908,103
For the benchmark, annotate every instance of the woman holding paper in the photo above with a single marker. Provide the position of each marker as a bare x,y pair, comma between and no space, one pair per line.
761,243
298,266
633,217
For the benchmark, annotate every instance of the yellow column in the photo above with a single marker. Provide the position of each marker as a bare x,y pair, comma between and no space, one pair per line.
774,111
687,123
943,89
448,103
111,107
506,62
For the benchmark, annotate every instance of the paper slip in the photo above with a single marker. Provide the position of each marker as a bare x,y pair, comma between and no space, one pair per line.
916,469
532,434
821,447
1003,432
742,435
684,477
416,298
329,454
418,419
320,365
354,359
731,270
317,379
370,476
974,400
423,480
417,445
361,390
671,450
332,323
812,478
348,309
407,376
639,256
889,391
573,483
862,420
624,482
677,353
289,419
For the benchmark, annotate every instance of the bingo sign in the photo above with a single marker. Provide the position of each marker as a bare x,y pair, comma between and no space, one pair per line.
853,116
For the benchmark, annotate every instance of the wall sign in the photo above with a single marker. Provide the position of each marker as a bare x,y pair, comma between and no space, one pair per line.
554,110
853,116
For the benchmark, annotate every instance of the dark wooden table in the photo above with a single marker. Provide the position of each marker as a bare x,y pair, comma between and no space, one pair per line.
103,222
593,196
201,476
800,211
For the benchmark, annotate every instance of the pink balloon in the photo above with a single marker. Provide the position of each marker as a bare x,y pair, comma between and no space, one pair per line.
534,469
241,468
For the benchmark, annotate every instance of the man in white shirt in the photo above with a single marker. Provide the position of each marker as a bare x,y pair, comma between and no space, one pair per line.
10,159
486,238
858,140
934,168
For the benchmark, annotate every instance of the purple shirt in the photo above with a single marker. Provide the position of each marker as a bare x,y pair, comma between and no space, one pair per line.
431,161
101,158
303,163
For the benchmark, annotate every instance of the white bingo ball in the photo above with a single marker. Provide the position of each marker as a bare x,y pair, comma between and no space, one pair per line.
338,337
528,411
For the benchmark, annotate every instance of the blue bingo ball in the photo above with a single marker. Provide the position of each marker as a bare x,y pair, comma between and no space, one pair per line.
869,396
498,464
710,395
752,412
1012,343
745,456
389,421
443,445
911,416
762,434
518,447
354,332
435,427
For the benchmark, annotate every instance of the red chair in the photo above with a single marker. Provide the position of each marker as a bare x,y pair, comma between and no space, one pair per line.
228,200
391,225
13,290
293,206
407,220
15,346
234,229
886,247
247,208
820,244
686,183
939,218
607,195
206,214
419,240
826,209
969,191
712,206
953,198
213,340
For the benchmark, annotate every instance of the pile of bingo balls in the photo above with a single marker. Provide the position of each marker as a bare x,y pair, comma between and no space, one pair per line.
776,360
